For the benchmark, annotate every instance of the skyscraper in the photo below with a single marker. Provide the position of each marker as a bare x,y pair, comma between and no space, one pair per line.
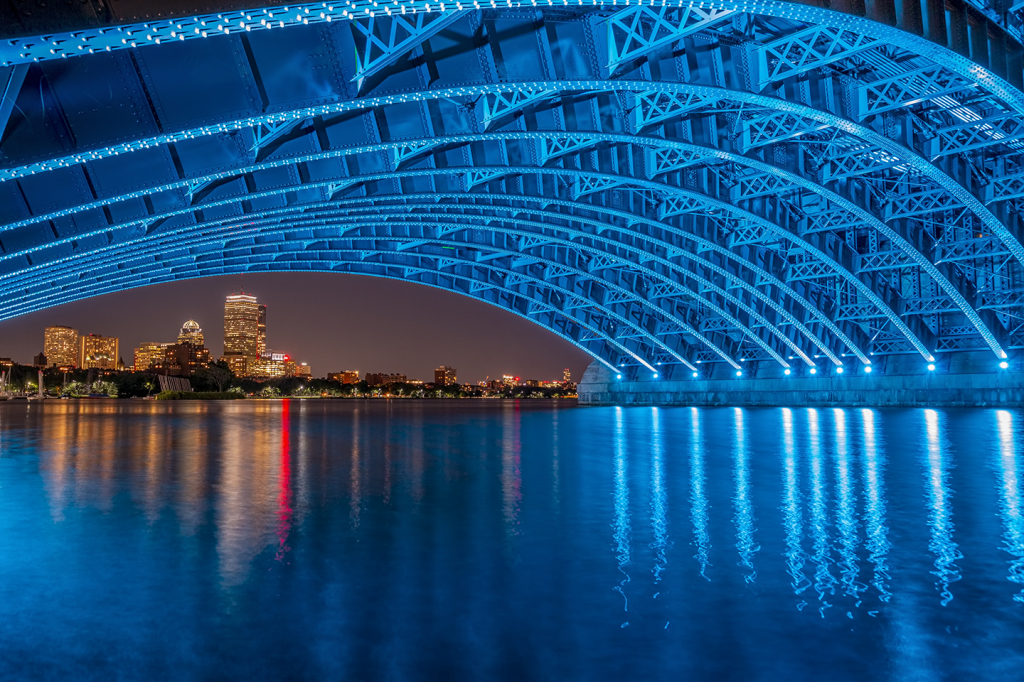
96,350
60,346
261,329
241,332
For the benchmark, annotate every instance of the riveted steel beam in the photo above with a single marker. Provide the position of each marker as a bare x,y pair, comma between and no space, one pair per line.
635,31
386,37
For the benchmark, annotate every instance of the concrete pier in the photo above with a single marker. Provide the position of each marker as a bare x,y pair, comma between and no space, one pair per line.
963,380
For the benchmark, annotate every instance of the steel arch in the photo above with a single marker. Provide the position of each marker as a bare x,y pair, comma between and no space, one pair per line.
943,206
700,155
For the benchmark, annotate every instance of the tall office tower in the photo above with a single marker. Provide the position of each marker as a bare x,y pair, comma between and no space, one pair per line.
566,375
445,376
96,350
149,353
60,346
261,329
191,333
241,326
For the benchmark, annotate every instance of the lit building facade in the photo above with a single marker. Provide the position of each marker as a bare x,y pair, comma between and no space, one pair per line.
240,365
184,359
445,376
241,333
192,333
303,370
261,329
566,375
270,366
349,376
60,346
241,326
383,379
98,351
148,354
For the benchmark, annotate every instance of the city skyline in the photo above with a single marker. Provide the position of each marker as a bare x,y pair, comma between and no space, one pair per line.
372,325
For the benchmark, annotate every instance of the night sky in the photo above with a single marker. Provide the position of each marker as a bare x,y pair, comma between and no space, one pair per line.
331,321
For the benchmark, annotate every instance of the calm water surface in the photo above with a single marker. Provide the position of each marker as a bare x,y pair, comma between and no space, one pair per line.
436,540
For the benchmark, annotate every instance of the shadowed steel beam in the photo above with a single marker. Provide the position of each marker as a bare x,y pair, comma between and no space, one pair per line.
11,80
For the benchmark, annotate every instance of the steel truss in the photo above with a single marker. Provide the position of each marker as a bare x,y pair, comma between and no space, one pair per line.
832,187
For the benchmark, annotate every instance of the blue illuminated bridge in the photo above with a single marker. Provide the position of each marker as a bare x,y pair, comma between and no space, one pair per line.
665,185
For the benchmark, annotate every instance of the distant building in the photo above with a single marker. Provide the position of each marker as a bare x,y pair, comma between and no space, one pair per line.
566,376
242,333
261,329
60,346
98,351
303,370
349,376
240,365
509,380
191,333
183,359
40,360
445,376
149,353
272,366
383,379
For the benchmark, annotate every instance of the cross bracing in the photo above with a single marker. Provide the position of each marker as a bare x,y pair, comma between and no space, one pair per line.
775,181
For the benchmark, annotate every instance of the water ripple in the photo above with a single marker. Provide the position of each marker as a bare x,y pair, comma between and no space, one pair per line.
698,498
940,515
1010,499
744,516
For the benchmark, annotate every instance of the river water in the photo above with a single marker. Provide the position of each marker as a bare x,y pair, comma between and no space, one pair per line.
491,540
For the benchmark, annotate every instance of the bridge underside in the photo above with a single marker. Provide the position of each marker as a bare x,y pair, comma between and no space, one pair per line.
671,187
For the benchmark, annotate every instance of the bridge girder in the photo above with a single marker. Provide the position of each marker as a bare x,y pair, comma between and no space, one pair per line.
831,160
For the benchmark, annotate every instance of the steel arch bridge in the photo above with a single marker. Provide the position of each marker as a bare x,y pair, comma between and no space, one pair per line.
664,184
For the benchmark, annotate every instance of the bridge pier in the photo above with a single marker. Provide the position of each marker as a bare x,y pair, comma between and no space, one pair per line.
961,380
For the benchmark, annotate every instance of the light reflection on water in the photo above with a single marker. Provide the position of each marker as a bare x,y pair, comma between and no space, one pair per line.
940,513
621,525
1010,495
698,499
463,540
793,515
744,517
877,540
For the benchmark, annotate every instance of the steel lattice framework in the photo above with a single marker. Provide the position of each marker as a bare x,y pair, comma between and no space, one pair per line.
663,184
